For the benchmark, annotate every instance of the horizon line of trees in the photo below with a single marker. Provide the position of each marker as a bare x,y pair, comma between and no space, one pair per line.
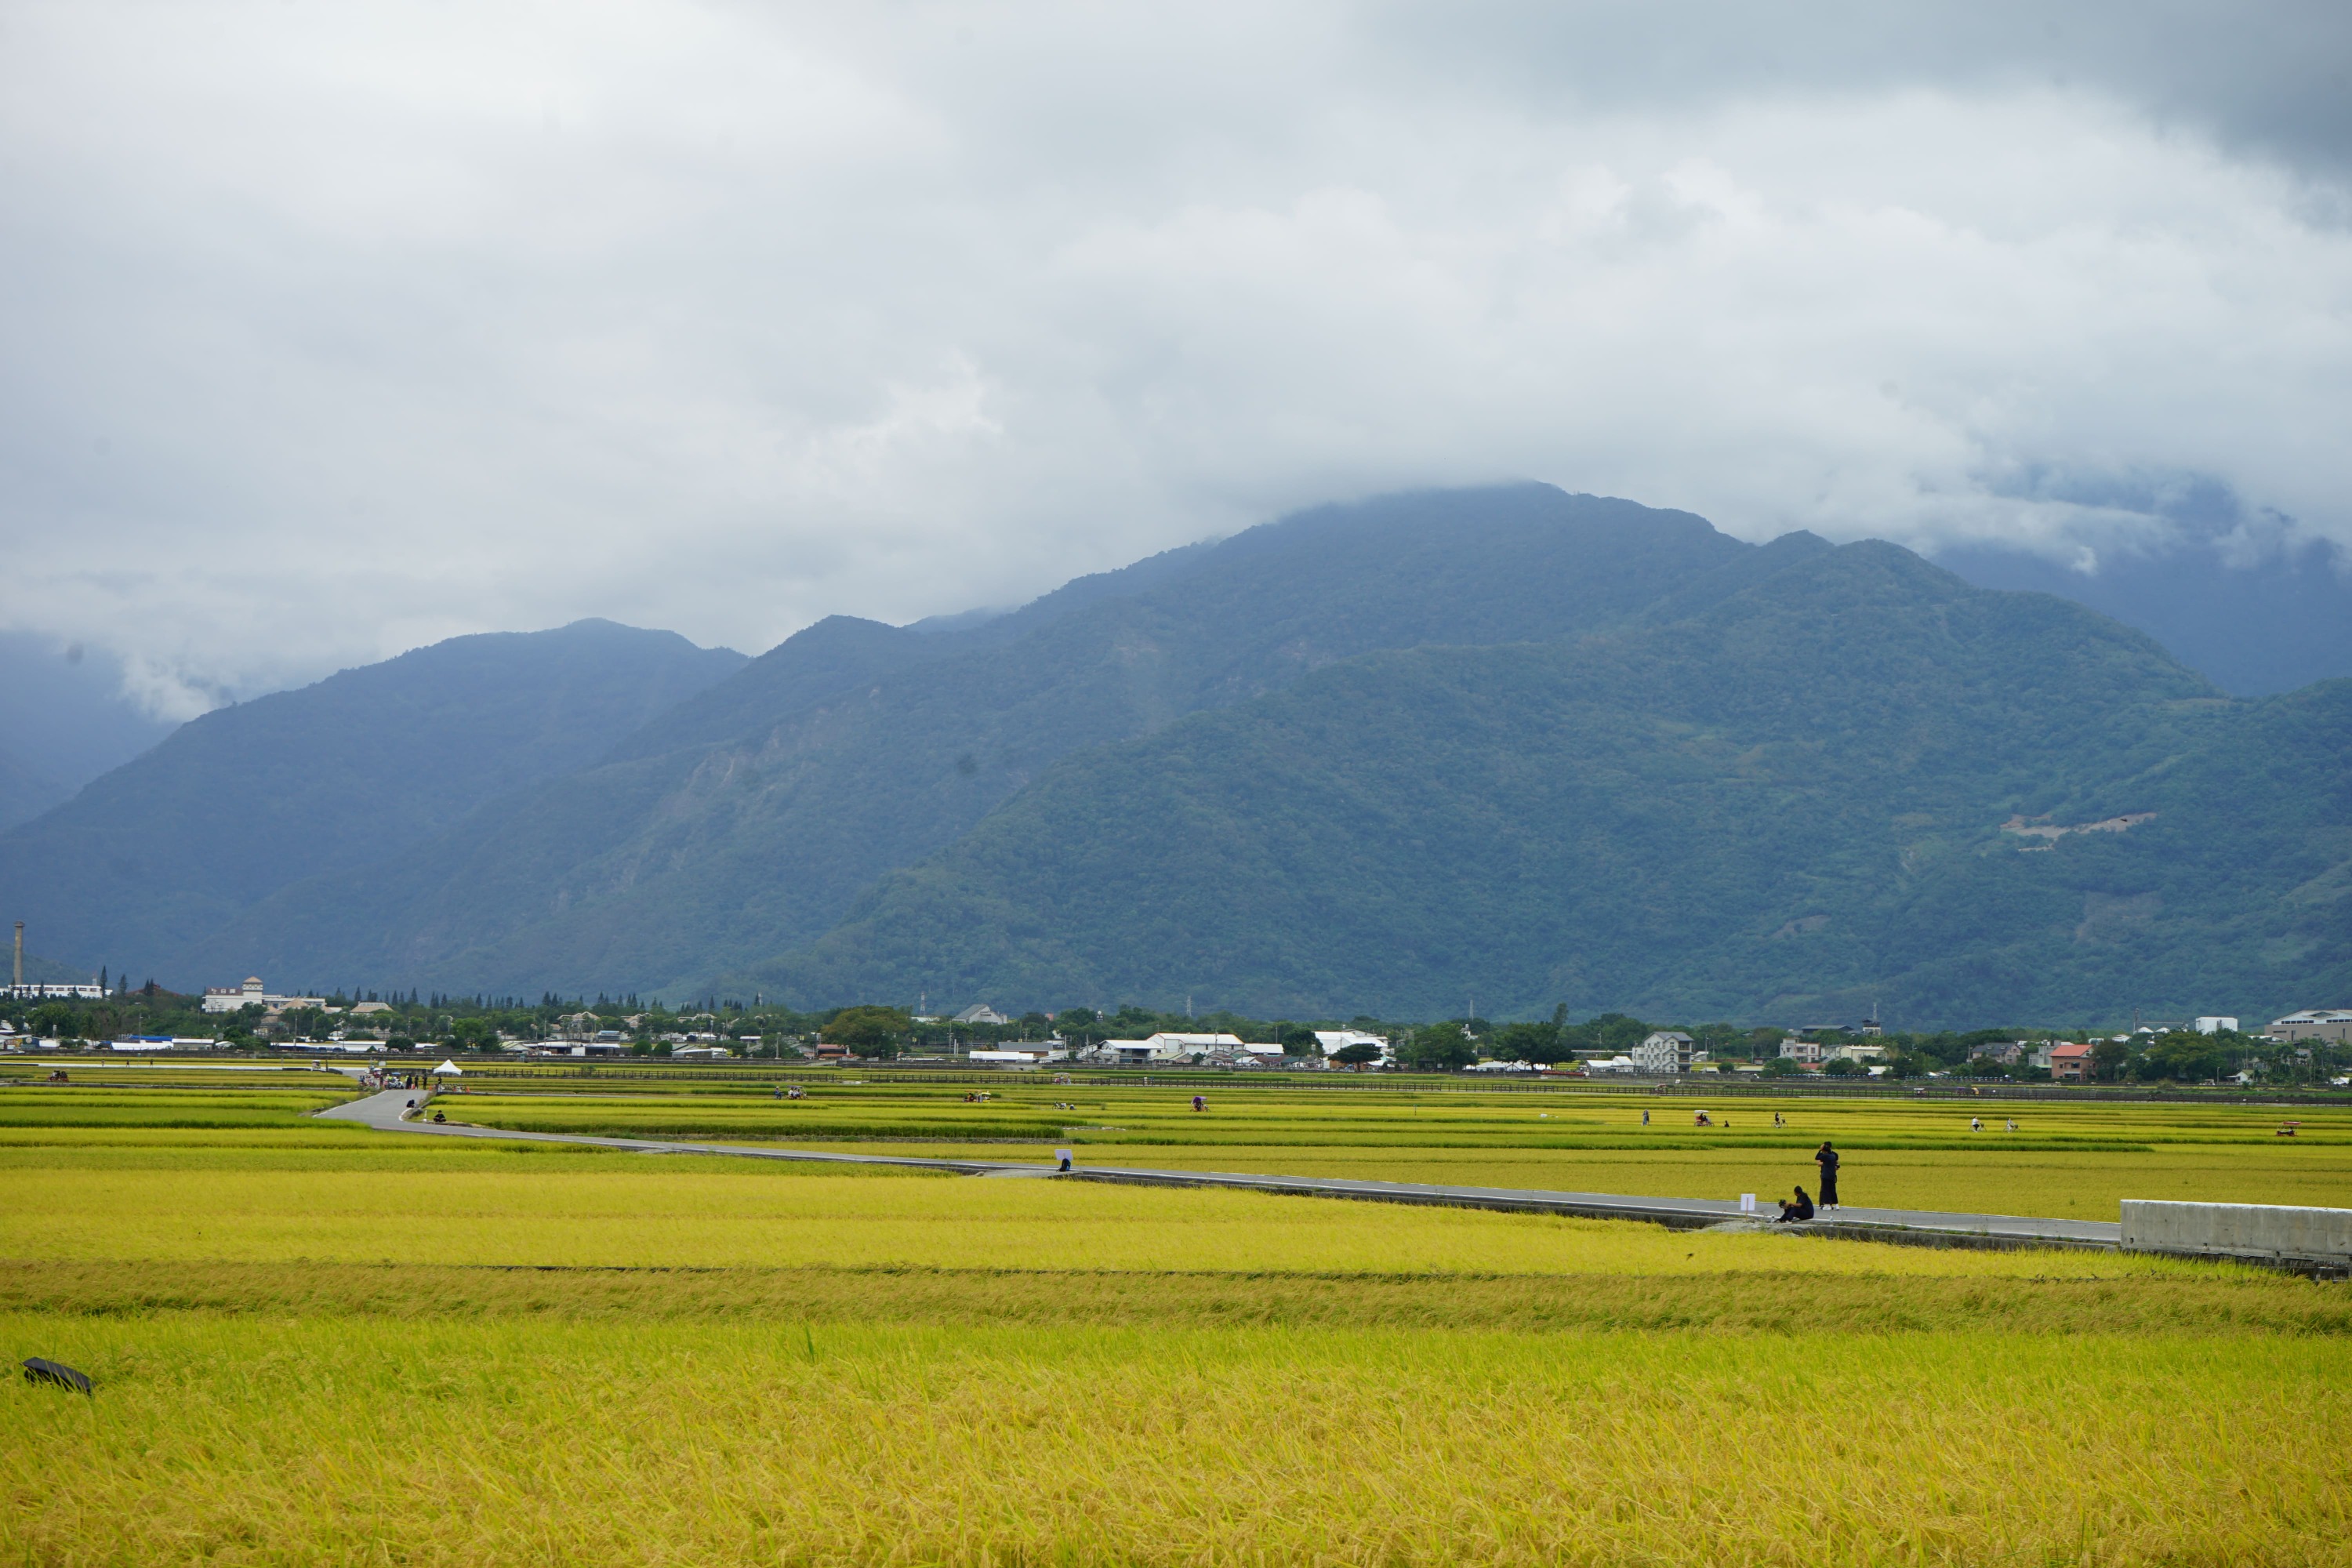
444,1021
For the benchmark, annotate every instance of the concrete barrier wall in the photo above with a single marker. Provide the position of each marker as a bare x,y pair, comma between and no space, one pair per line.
2239,1230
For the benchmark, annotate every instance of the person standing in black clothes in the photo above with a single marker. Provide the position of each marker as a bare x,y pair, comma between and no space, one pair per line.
1827,1159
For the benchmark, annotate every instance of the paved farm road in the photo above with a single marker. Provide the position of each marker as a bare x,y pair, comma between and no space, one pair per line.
382,1112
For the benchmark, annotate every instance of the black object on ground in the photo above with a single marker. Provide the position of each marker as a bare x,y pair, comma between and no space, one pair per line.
40,1369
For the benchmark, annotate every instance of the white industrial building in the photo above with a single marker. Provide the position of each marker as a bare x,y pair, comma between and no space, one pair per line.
1166,1047
1334,1041
2330,1023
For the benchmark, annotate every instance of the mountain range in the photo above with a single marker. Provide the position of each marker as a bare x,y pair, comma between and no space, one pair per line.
145,865
1509,746
65,719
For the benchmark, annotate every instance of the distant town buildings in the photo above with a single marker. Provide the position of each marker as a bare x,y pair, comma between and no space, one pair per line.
2012,1053
2216,1024
981,1013
61,991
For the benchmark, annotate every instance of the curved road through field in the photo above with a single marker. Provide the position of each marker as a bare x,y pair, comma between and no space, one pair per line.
387,1112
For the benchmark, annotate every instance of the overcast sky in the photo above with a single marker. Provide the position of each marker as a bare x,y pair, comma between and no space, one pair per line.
327,329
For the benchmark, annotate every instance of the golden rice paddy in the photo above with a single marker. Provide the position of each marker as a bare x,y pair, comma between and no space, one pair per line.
315,1343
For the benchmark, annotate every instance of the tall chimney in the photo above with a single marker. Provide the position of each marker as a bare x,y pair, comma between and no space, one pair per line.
20,955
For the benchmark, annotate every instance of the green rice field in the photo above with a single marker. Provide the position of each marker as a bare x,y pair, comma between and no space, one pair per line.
318,1343
2067,1161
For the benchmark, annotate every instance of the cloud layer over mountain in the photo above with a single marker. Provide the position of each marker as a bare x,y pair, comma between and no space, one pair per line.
335,329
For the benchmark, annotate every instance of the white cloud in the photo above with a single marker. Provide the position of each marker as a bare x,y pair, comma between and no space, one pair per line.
333,330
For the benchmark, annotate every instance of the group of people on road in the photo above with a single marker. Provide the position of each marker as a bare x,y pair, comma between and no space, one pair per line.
1802,1208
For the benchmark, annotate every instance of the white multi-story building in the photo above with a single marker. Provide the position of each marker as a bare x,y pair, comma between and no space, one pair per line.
2216,1024
51,990
232,998
1664,1050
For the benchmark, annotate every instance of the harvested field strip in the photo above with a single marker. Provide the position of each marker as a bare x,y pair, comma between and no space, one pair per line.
509,1440
2209,1301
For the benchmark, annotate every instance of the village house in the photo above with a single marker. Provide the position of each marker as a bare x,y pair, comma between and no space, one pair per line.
2070,1063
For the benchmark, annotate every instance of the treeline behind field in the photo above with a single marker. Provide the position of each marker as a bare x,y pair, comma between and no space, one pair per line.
880,1033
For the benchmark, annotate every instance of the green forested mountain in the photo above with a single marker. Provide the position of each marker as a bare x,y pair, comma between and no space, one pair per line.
145,865
745,822
1790,803
1508,745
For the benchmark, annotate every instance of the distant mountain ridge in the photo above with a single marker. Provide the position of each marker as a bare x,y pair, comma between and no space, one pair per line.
1508,741
64,719
749,819
144,866
2254,629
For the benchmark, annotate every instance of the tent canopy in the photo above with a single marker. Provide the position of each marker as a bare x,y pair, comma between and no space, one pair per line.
451,1066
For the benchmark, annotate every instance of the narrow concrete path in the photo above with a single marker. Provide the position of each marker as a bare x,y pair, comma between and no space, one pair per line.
1919,1227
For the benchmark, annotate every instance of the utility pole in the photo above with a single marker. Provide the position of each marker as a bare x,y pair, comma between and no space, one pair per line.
20,955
